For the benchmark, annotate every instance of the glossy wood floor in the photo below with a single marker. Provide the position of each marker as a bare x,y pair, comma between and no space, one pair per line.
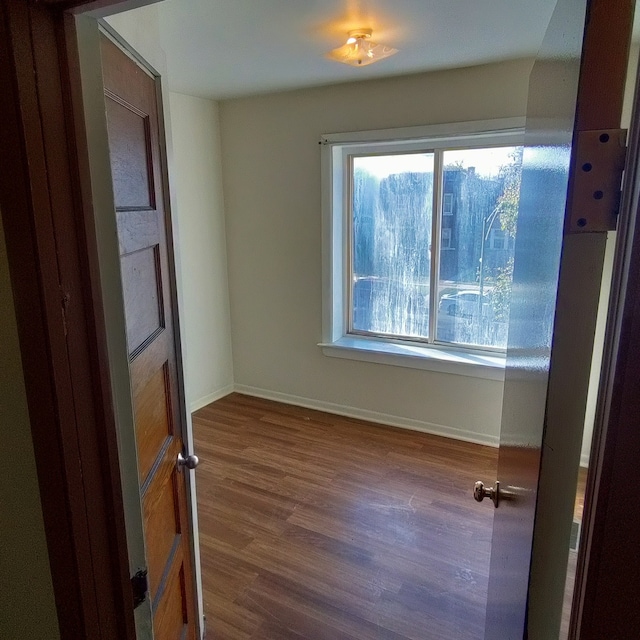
318,527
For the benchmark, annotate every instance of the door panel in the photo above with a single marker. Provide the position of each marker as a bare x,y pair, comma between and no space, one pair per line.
525,583
142,296
162,518
169,620
131,160
133,129
152,419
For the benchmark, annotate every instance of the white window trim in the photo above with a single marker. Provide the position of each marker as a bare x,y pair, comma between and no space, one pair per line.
336,342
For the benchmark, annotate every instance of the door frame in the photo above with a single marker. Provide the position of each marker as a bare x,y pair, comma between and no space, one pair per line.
609,525
65,341
59,315
599,102
48,216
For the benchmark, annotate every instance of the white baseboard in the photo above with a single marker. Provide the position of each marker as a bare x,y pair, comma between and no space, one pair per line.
371,416
211,397
354,412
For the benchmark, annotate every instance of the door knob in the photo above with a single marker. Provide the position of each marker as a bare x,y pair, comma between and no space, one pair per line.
190,462
480,492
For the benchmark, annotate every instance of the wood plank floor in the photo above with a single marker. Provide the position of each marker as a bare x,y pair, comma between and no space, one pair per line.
318,527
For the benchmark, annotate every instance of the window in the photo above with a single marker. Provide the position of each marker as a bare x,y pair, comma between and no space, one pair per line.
392,271
498,239
446,239
447,204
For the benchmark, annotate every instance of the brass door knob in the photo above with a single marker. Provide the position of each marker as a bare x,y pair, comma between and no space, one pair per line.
480,492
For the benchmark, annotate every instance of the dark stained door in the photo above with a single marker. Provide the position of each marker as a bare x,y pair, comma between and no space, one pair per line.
144,234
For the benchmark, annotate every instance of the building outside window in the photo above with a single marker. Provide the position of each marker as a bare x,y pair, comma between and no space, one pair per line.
446,238
447,204
420,237
498,239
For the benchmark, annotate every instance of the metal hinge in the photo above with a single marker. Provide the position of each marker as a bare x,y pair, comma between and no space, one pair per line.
600,161
139,587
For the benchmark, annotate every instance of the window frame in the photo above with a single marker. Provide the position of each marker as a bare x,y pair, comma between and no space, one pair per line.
337,151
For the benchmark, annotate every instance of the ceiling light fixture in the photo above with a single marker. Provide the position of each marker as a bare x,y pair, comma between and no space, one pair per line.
359,50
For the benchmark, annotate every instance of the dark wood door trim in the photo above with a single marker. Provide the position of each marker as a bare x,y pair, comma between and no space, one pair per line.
604,600
605,51
608,578
59,313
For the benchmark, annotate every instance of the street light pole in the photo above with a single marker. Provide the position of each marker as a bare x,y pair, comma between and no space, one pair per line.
485,234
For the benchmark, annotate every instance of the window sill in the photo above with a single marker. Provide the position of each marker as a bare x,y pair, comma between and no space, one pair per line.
477,364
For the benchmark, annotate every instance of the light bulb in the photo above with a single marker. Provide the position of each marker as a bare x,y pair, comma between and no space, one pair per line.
359,51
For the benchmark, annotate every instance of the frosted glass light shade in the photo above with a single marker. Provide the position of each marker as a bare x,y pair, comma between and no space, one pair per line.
360,51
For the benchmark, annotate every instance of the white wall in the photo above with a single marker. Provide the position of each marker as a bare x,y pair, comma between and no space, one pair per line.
27,606
198,184
271,170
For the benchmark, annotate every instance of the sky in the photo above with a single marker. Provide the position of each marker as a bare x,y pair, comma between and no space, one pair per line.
487,162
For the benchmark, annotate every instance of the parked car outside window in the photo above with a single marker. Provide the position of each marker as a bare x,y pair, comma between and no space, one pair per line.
465,304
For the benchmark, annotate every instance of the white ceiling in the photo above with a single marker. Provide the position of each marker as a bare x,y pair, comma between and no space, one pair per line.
229,48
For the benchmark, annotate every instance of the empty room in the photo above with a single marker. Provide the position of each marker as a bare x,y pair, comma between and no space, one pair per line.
347,284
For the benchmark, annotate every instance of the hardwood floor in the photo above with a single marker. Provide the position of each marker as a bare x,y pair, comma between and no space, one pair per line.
318,527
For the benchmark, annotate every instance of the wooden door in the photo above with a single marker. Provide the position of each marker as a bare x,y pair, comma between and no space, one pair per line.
574,87
144,235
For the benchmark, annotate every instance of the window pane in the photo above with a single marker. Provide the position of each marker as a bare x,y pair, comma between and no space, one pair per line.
391,231
447,204
477,241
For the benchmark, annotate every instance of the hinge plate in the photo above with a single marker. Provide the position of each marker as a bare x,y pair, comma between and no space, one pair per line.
600,160
139,587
